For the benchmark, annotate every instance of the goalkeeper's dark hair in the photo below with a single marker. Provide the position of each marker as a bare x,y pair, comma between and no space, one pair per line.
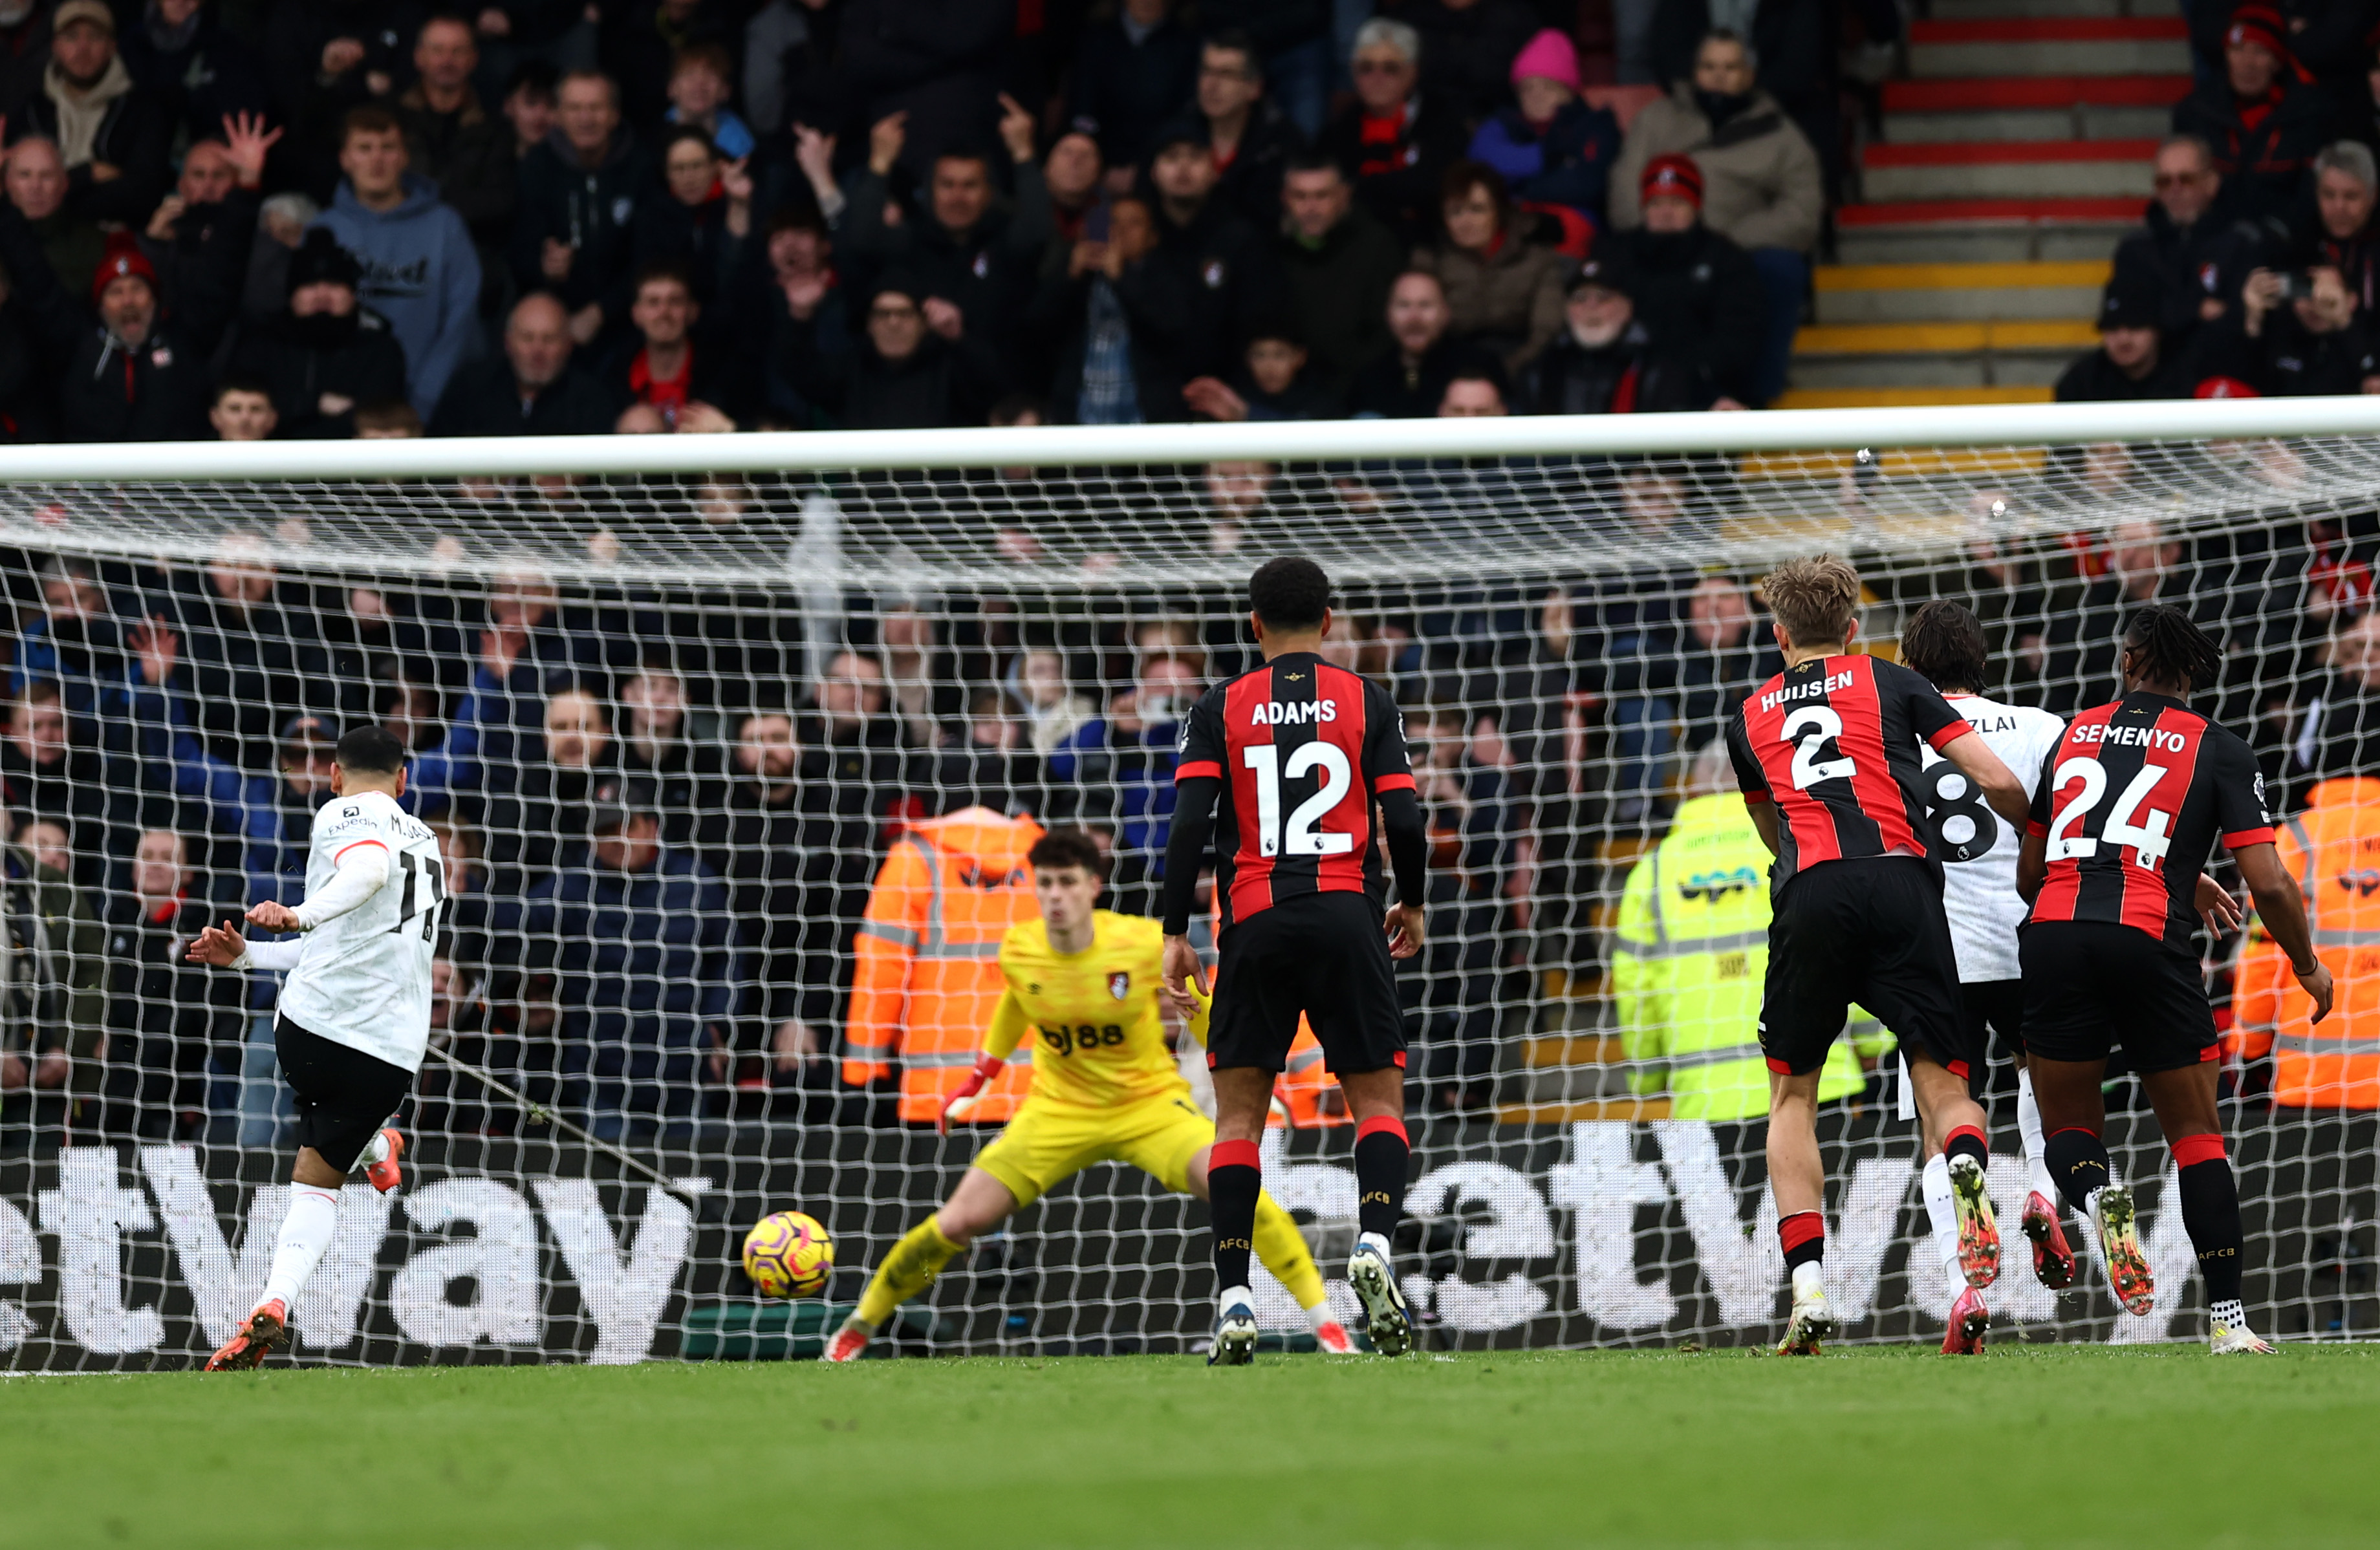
1068,847
2172,647
1944,641
1290,593
370,750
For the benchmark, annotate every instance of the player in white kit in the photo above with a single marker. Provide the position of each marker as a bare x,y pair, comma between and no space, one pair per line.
354,1015
1945,642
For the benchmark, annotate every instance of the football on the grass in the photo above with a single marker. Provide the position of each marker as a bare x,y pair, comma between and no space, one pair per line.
788,1254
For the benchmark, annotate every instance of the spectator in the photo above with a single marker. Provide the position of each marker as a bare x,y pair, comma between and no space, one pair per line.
968,254
1452,994
51,770
529,107
1339,262
328,57
1473,391
643,958
1605,361
1272,383
200,234
689,385
765,841
538,806
241,410
1408,380
699,90
1395,140
239,666
1754,176
918,366
531,390
451,138
1251,138
2298,334
387,419
2193,253
1504,292
73,642
123,374
857,771
1133,72
641,44
24,47
579,189
1722,657
37,187
2131,362
700,219
1698,293
116,141
1072,175
54,1026
1122,319
2346,182
792,291
2265,127
325,353
1121,764
1053,711
2338,734
1467,49
935,64
1222,265
281,223
1554,150
658,754
419,269
198,71
1293,45
165,1016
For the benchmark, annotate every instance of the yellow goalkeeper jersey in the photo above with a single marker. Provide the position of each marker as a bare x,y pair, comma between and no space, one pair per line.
1100,1026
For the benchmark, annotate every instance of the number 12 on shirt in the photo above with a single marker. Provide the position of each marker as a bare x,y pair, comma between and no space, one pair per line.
1299,836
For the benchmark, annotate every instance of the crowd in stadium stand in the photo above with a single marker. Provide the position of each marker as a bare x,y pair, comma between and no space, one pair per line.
357,218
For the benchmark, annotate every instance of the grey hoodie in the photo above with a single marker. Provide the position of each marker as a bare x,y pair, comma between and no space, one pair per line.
421,273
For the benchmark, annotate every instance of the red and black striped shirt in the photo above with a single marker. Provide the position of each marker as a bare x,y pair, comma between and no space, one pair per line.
1302,749
2131,800
1833,742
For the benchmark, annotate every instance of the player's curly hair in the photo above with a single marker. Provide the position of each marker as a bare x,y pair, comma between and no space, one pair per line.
1944,641
1816,598
1290,593
1068,847
2172,647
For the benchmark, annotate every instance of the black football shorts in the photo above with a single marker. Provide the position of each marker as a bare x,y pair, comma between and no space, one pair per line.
344,1095
2092,987
1322,954
1868,930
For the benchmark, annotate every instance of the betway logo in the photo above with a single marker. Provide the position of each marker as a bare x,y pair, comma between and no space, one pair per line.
2133,737
1825,685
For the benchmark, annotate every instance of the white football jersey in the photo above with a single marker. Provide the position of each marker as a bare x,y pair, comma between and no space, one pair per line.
363,979
1978,847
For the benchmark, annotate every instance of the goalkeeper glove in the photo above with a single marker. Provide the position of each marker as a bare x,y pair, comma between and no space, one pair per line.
986,1068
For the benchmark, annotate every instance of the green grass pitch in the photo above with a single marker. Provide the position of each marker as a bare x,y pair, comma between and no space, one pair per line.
2037,1445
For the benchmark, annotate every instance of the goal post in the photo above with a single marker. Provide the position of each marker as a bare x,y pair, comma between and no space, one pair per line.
678,704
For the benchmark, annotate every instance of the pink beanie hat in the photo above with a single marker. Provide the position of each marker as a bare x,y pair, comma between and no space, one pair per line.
1550,54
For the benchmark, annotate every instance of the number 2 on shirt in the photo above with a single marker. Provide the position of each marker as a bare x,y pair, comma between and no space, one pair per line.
1300,838
1810,729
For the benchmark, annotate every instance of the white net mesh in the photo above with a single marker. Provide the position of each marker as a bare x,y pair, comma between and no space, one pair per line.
792,671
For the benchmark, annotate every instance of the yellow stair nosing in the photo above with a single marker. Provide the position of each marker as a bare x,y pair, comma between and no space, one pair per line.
1943,338
2093,272
1908,397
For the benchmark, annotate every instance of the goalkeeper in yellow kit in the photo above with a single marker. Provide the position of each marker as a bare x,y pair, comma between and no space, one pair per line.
1105,1087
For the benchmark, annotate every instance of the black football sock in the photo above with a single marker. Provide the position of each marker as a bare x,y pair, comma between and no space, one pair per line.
1967,1141
2078,1160
1383,1157
2210,1212
1235,1179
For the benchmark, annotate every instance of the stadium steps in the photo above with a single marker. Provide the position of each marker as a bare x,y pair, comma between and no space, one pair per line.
1906,398
2031,108
1982,10
1938,355
1852,294
2008,170
1984,231
1965,48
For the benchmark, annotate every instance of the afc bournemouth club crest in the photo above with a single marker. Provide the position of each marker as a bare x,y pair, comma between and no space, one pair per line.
1118,984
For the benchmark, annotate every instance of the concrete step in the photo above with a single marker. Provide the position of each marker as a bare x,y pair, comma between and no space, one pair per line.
1937,355
1982,231
2031,108
1998,11
1905,397
2008,170
2065,45
1957,291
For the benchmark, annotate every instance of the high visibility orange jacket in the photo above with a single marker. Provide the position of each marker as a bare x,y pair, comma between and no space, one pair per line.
1308,1094
2333,849
928,978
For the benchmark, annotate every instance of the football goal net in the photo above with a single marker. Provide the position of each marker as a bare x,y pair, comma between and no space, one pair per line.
735,744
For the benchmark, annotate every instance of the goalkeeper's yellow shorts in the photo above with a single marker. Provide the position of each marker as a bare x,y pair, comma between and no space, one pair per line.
1043,1145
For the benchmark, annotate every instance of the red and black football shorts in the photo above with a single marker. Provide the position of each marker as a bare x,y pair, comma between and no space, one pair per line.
2092,987
1989,1009
1868,930
344,1095
1322,954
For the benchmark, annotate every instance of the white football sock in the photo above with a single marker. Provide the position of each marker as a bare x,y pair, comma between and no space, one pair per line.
2229,1314
1377,1242
1809,1279
1230,1297
2028,1124
305,1234
376,1152
1942,1211
1320,1314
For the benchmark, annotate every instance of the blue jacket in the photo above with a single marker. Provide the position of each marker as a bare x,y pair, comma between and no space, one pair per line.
646,960
421,273
1570,164
1137,772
